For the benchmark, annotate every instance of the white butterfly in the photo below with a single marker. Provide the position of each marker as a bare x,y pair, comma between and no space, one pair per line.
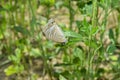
53,32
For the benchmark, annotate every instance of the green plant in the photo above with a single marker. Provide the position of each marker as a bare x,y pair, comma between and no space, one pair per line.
84,57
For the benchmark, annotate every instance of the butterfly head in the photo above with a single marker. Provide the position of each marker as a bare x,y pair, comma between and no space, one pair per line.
51,22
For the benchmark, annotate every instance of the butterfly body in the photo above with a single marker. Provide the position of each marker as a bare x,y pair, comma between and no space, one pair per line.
53,32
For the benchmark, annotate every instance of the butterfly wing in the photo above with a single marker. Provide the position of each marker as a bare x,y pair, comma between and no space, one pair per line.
48,32
54,33
58,34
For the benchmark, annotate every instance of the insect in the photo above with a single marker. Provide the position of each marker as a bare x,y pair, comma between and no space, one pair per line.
53,32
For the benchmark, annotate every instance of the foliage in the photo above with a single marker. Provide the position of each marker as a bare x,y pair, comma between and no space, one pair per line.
83,57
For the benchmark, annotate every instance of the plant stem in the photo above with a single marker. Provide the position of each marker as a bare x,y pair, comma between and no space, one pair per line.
94,14
90,51
71,17
46,65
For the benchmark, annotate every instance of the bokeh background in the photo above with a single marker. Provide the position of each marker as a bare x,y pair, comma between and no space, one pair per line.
92,28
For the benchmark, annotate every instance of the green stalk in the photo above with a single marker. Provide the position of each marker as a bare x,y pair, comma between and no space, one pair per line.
46,65
90,75
71,17
94,14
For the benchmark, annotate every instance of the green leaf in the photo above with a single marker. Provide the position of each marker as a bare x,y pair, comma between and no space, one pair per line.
13,69
1,36
12,58
87,10
67,75
10,70
17,57
81,4
62,77
18,53
111,34
84,28
114,57
91,44
58,4
111,48
78,53
2,9
76,60
94,30
73,37
35,52
32,24
72,34
21,29
48,2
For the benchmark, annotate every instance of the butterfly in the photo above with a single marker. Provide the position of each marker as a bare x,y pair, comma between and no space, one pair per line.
53,32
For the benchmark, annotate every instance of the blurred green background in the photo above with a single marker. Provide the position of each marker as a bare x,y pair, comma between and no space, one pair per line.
92,28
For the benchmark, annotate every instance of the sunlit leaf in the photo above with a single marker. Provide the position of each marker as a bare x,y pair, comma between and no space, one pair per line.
48,2
72,34
1,36
35,52
62,77
94,30
13,69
